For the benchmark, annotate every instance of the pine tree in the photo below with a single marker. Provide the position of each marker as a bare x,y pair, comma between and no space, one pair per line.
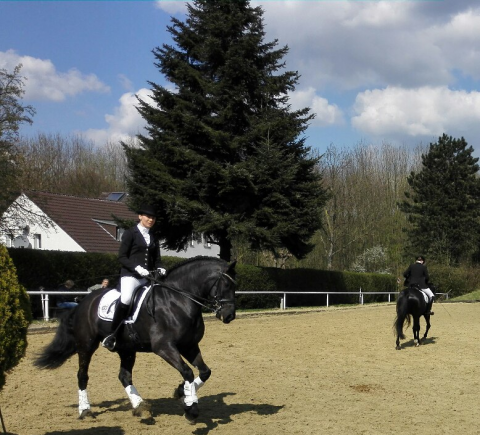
225,155
444,206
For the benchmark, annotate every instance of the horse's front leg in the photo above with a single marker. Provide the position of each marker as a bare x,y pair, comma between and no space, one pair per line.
190,400
194,357
127,361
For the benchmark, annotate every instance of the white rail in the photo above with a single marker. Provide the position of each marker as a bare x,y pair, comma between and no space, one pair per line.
44,294
283,301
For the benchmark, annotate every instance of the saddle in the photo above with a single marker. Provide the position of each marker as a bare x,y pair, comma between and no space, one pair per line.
108,303
425,294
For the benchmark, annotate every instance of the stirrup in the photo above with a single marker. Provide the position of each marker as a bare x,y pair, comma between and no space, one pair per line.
109,342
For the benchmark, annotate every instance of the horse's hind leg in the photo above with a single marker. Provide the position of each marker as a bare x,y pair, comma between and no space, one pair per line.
416,331
84,358
427,320
127,361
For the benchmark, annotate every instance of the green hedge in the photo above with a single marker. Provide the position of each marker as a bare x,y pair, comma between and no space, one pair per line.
311,280
15,316
51,268
454,280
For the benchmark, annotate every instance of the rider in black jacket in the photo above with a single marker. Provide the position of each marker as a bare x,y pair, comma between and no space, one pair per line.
417,273
139,254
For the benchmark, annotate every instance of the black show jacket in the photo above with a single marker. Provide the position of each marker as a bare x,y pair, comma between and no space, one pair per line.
134,252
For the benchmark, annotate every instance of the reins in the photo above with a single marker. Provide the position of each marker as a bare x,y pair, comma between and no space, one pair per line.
214,307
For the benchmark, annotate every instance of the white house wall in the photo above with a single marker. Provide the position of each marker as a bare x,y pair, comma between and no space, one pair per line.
52,238
194,249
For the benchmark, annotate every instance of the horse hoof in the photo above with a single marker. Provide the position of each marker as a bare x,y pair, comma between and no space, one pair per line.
191,413
190,419
398,347
142,408
85,413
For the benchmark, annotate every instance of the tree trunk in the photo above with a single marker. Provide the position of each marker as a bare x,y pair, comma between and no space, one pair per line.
225,249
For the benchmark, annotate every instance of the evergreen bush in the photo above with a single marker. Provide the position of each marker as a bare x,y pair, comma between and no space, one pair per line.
15,316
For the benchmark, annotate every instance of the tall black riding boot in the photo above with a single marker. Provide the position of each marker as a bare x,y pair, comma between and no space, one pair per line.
121,312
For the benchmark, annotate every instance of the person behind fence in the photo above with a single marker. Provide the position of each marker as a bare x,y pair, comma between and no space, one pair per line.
104,284
139,254
417,274
63,301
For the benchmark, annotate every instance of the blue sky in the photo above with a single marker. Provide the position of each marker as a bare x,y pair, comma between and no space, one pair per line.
402,72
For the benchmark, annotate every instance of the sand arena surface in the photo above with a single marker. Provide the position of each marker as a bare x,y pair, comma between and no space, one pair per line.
329,372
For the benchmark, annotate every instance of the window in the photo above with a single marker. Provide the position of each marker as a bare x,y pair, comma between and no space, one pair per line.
9,240
37,241
115,196
120,232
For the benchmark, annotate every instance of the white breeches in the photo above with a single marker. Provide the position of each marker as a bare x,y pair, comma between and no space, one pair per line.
127,285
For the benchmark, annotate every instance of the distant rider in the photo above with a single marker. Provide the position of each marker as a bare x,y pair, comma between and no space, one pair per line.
417,274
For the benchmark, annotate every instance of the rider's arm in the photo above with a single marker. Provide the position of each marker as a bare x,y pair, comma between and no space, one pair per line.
125,250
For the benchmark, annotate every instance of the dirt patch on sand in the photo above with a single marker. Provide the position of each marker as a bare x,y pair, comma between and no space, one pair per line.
332,372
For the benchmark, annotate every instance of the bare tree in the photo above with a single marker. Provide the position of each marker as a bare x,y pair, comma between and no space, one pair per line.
71,165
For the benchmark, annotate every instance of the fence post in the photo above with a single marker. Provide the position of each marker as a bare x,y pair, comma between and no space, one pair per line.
327,299
361,296
284,301
45,306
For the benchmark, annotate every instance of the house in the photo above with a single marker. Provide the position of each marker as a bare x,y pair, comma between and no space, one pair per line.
69,223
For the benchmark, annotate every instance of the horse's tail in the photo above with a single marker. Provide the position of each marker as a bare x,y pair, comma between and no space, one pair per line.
62,346
402,315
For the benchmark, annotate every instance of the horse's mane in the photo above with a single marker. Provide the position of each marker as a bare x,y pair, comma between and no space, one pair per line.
194,259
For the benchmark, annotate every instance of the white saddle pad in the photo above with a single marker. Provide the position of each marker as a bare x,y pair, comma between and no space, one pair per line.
425,296
106,307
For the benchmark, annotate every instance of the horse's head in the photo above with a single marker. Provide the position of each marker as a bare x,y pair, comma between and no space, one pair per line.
223,294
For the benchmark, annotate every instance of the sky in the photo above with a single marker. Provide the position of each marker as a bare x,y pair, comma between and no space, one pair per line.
395,71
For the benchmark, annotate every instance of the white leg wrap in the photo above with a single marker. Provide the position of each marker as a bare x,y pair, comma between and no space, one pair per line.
190,393
83,403
198,383
133,395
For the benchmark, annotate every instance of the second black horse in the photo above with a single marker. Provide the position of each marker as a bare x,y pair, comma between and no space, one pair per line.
411,303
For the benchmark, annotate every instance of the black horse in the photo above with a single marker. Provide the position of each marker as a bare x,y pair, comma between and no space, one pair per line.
411,303
169,324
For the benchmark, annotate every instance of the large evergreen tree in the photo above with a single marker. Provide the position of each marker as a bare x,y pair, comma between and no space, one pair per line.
225,155
444,205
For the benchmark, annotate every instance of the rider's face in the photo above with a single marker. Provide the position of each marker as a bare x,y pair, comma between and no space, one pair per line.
146,220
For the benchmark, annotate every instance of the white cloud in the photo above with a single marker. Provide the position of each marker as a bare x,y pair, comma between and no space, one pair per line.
172,6
326,113
426,111
125,122
352,45
44,82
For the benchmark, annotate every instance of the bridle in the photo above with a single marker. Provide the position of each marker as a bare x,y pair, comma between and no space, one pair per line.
219,303
213,304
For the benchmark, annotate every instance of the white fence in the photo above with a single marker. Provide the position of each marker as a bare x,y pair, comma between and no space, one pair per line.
46,300
283,300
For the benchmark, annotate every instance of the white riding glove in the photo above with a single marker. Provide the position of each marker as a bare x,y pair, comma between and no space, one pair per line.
142,271
162,271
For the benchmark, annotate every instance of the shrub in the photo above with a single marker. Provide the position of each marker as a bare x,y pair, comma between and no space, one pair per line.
454,280
15,316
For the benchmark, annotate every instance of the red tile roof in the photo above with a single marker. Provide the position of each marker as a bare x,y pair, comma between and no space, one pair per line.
88,221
